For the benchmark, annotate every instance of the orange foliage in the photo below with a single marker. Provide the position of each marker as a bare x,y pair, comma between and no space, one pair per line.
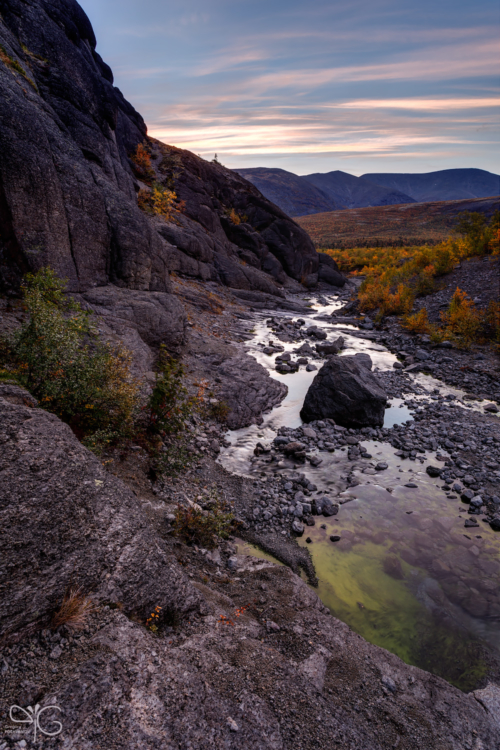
417,323
142,163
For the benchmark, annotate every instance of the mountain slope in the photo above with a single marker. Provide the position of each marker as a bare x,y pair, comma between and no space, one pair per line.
445,185
349,191
288,191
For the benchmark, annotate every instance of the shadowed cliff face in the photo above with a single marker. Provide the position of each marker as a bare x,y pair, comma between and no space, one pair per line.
68,196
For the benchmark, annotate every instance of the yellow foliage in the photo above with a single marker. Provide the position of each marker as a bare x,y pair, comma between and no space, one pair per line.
159,201
234,217
418,322
163,201
462,320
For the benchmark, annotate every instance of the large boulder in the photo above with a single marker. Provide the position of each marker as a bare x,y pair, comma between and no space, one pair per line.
248,390
330,347
345,390
65,521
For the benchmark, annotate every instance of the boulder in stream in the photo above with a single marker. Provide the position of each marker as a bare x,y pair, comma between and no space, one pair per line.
330,347
346,391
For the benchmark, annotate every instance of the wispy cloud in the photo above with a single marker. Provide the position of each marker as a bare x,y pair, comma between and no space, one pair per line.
425,105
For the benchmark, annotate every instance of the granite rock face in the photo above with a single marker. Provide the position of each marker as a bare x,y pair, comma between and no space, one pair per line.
67,196
140,321
345,390
65,521
68,190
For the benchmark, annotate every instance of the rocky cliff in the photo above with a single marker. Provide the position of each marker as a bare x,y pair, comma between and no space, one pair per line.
68,194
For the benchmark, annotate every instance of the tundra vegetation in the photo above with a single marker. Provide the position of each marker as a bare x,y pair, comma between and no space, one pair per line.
395,277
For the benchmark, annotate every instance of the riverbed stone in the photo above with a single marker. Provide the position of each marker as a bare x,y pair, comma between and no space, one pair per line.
344,390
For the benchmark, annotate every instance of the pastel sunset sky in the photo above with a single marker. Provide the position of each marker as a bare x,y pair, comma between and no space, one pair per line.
362,86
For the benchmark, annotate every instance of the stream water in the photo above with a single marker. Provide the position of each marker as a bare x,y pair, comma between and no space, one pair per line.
397,573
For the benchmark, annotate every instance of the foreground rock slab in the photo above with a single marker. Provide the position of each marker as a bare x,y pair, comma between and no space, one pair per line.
298,679
65,521
345,390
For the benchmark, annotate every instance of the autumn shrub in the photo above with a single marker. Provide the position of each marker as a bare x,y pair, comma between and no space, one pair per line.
462,321
159,201
141,160
57,355
379,294
418,322
203,527
481,235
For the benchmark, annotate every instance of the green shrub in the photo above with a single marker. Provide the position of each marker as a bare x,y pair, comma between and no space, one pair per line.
219,411
59,358
169,406
203,527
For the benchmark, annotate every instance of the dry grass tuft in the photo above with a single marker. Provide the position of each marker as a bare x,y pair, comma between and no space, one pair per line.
74,610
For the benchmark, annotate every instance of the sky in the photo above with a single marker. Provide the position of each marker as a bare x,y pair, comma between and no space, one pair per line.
357,85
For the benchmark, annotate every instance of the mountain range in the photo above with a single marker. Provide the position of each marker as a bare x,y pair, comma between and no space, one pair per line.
334,191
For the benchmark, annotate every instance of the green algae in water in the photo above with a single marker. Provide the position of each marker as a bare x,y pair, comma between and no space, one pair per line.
245,548
385,611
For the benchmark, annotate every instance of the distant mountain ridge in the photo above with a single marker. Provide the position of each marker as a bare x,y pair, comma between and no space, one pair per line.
348,191
335,191
445,185
290,192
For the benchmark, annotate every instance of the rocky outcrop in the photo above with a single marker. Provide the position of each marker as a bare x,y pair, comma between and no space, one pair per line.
345,390
68,191
65,521
248,390
229,225
328,271
140,321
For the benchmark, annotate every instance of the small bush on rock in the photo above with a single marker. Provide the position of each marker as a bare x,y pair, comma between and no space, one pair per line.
203,527
59,358
141,160
158,201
